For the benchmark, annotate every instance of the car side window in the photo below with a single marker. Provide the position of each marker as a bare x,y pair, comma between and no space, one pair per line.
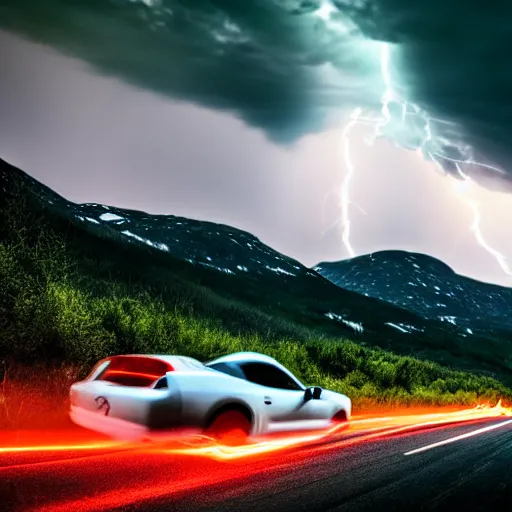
268,375
229,368
137,371
161,384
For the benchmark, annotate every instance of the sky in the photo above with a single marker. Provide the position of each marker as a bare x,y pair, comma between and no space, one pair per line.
233,113
95,139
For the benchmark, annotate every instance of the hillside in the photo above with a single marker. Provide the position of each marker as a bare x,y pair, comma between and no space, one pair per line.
230,262
78,282
426,286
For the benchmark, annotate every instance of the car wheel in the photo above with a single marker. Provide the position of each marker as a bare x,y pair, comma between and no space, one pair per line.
340,419
231,428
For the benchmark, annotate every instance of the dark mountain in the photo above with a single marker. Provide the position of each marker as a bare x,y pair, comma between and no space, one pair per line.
164,254
236,255
426,286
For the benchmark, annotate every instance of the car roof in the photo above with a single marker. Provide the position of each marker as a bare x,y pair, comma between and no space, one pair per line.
238,357
170,359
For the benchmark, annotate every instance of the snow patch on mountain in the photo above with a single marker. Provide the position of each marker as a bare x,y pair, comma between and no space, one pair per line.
157,245
110,216
356,326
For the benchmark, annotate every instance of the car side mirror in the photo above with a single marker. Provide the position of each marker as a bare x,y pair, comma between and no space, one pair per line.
312,393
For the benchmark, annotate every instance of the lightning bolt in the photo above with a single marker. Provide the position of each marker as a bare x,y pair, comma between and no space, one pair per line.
344,192
474,205
475,228
435,156
355,118
481,241
431,147
388,94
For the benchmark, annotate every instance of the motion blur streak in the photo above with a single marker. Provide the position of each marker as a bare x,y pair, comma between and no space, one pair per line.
61,448
383,427
459,438
139,472
205,446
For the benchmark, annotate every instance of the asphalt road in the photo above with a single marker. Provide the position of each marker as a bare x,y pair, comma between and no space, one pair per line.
352,472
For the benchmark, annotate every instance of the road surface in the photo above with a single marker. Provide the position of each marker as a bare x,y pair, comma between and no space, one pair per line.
465,466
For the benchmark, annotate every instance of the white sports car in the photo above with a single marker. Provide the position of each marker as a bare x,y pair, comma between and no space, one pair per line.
137,396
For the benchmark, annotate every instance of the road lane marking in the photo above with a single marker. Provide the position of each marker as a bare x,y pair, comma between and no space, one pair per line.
458,438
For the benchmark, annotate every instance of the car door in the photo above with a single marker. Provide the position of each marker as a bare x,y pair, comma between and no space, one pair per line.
284,399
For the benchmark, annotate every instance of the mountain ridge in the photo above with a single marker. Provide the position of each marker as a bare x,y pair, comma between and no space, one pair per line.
424,285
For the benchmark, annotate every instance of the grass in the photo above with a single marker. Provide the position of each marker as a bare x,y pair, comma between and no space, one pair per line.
61,311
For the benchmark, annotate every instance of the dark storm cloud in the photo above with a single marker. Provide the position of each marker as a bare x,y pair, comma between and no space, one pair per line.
262,59
454,61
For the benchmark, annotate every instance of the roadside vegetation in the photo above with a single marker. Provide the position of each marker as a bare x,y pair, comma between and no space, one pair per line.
60,312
